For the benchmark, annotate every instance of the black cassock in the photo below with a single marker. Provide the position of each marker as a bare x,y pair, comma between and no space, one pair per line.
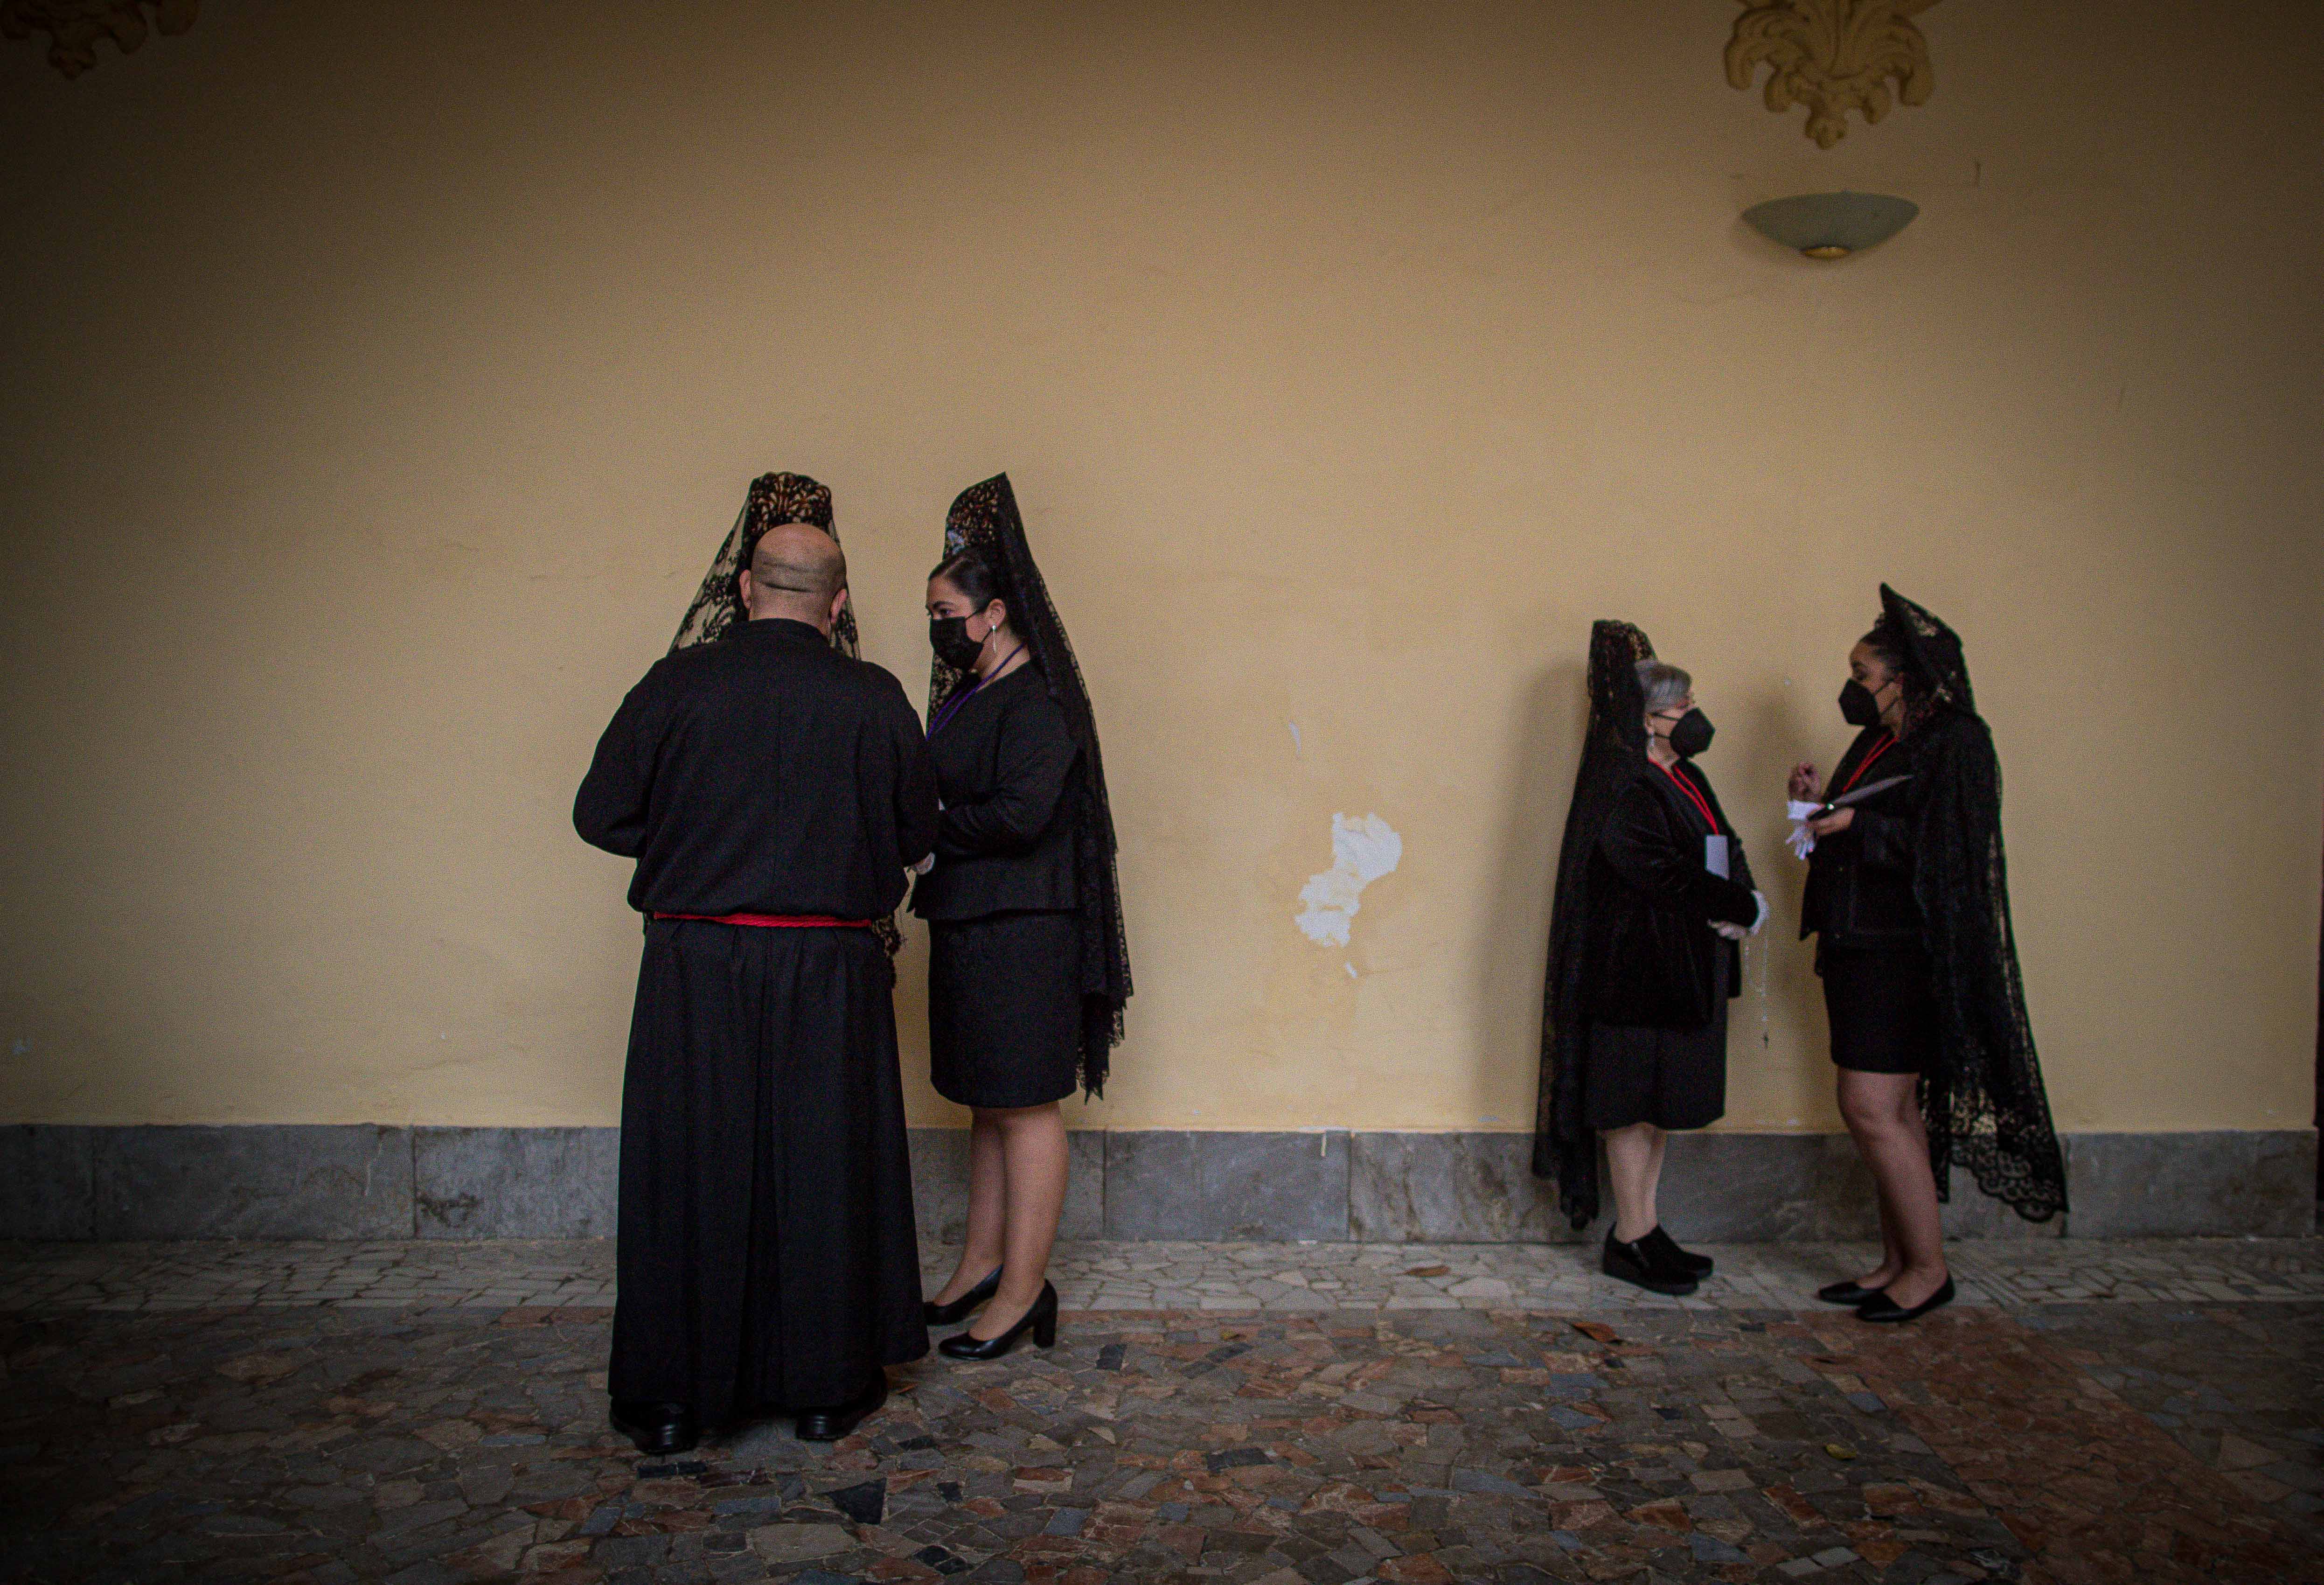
767,1259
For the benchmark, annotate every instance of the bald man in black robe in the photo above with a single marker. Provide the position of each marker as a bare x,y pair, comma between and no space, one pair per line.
773,792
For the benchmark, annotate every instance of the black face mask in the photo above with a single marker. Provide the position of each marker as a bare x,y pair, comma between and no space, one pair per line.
1858,706
1689,735
948,637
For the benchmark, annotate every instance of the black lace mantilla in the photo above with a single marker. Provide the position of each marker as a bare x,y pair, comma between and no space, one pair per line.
1613,754
1984,1103
984,519
773,498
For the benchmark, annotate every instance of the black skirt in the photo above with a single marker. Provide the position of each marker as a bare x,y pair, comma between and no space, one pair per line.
1672,1077
1005,1008
1883,1010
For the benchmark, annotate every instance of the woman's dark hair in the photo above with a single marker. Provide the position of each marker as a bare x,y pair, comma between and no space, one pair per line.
1889,644
969,573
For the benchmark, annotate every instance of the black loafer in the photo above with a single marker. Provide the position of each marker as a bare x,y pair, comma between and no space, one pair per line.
655,1428
1846,1293
1880,1307
936,1314
1666,1250
1635,1264
831,1425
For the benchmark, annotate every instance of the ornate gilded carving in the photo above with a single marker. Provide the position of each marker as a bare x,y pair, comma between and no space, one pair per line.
1833,56
74,26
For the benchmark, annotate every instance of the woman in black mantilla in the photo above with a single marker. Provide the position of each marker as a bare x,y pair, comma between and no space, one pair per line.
1027,965
1908,897
1653,898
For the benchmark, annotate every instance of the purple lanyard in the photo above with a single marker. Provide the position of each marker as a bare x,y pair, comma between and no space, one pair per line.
951,705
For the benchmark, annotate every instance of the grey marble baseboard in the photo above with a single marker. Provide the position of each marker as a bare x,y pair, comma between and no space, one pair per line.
368,1181
514,1182
311,1182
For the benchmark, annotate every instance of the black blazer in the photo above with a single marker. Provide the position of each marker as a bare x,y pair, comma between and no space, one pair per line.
1859,893
1652,904
1005,767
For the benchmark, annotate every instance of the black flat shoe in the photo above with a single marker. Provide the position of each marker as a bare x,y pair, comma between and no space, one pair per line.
1666,1250
831,1425
1846,1293
936,1314
1041,1321
1880,1307
1635,1264
655,1428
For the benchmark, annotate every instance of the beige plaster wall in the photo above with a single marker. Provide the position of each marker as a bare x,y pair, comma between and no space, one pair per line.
381,379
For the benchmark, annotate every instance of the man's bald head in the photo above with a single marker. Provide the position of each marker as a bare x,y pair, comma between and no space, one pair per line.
796,570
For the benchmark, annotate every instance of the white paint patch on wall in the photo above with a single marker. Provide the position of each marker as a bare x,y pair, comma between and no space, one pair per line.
1362,850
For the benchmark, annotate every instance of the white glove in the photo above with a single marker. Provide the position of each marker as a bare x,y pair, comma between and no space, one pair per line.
923,866
1733,933
1758,924
1803,840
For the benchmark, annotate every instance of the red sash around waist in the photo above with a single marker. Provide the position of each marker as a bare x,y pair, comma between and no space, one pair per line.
776,921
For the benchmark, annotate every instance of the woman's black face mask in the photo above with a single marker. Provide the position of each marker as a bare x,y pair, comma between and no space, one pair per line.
1858,705
1691,734
948,637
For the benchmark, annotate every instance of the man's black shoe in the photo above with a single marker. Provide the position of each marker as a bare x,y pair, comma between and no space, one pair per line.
1635,1264
1665,1249
831,1425
656,1428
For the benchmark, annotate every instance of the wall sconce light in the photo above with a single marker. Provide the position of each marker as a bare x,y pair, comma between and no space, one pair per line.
1831,225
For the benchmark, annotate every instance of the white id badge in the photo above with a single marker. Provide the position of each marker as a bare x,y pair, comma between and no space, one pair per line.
1714,855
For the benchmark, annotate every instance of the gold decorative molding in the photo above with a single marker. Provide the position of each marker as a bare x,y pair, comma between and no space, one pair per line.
1833,56
74,26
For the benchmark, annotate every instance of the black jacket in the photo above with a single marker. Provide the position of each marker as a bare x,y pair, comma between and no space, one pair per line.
763,773
1653,902
1859,892
1004,762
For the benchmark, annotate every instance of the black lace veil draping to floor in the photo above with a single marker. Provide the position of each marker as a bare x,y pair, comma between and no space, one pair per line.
1984,1101
1613,754
984,519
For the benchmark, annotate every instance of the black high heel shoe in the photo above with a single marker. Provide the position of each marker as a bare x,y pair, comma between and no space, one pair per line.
1041,1321
936,1314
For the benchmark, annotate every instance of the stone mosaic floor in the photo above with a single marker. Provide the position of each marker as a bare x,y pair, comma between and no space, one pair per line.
1311,1277
434,1413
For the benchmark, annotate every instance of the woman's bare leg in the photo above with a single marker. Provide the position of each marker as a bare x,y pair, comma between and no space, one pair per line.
1634,1161
981,1252
1883,1112
1033,1159
1893,1259
1892,1253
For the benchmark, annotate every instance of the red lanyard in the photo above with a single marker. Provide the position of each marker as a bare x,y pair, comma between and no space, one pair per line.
1701,804
1886,744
